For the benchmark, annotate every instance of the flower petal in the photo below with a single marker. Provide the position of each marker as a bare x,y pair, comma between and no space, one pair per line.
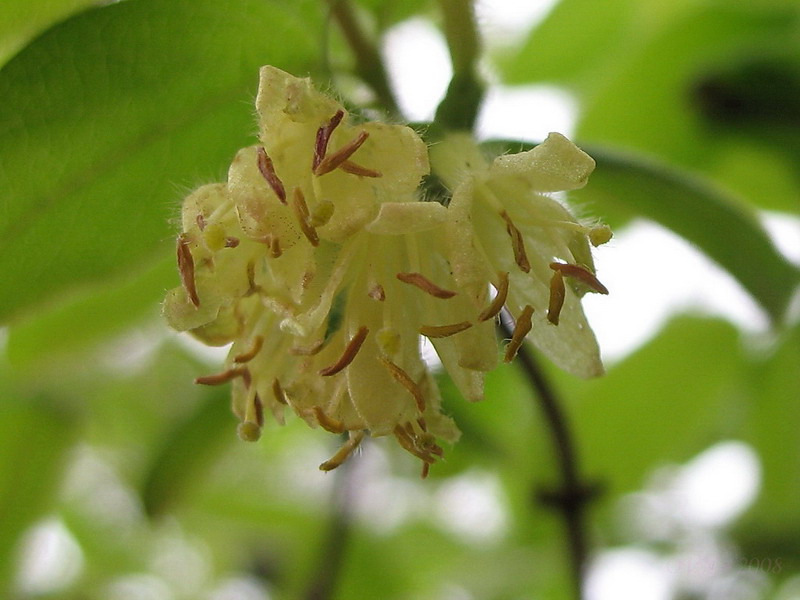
554,165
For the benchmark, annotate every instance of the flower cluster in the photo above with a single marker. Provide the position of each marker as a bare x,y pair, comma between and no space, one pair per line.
322,264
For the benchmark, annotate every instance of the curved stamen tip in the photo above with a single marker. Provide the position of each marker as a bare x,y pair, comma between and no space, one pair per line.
350,351
425,284
580,273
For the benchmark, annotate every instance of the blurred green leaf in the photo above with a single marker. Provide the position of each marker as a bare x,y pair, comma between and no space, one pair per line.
90,315
35,436
186,450
772,419
647,74
22,20
388,12
668,401
625,186
106,117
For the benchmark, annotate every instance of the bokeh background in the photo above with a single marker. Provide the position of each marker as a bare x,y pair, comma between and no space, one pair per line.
120,480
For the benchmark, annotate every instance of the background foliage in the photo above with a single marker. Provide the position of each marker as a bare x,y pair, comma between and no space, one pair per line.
133,479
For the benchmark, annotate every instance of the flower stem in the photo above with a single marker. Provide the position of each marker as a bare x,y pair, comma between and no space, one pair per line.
369,65
459,108
573,495
323,580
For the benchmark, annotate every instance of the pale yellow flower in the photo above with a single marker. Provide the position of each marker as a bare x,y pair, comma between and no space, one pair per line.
505,228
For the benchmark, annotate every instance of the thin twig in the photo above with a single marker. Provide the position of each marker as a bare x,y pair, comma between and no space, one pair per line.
573,496
324,578
369,64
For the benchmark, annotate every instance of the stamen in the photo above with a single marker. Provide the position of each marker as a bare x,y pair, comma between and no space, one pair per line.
335,160
580,273
344,452
426,468
220,378
441,331
499,300
277,391
186,269
259,410
267,170
201,222
231,242
349,166
350,351
251,278
323,137
422,424
408,444
425,284
308,351
275,248
557,295
327,423
377,293
301,212
248,431
521,329
258,341
520,256
406,381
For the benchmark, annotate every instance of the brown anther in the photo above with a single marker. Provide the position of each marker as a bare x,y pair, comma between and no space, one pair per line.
350,351
557,296
186,269
301,212
377,293
425,284
267,170
441,331
349,166
521,329
335,160
520,256
231,242
498,301
246,377
580,273
275,248
404,379
422,424
259,409
251,278
344,452
244,357
323,137
277,391
201,222
327,423
409,444
308,351
426,468
220,378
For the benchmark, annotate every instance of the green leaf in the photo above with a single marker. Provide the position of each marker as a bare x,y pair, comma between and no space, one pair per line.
654,76
22,20
772,527
106,118
186,450
715,222
34,439
665,403
91,315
